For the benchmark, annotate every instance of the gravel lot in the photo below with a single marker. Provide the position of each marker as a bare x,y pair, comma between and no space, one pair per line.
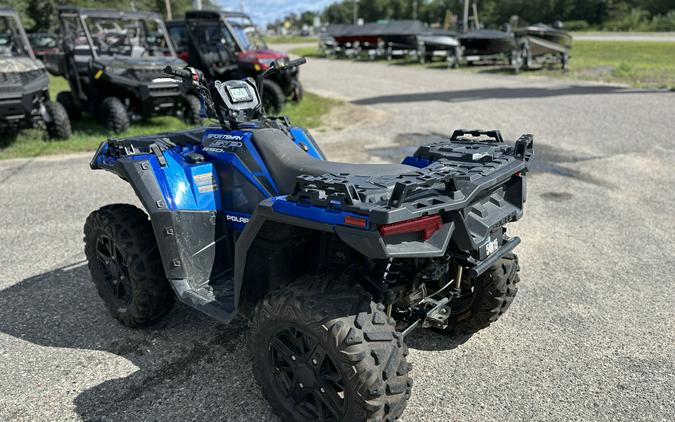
591,335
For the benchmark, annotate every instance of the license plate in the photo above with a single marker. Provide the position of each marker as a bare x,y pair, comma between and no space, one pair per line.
491,246
472,58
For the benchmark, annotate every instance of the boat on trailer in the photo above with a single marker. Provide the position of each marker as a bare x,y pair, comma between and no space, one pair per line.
490,46
542,44
439,42
390,39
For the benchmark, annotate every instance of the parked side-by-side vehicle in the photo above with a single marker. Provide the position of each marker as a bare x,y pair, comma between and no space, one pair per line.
227,45
114,63
24,85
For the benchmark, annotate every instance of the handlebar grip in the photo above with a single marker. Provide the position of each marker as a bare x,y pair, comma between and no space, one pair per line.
297,62
181,73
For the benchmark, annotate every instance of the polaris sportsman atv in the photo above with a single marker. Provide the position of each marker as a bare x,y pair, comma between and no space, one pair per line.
114,64
332,263
227,45
24,85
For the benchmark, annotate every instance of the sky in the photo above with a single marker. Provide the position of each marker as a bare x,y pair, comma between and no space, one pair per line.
264,11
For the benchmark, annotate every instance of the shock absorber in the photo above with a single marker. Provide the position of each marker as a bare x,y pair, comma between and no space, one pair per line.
384,276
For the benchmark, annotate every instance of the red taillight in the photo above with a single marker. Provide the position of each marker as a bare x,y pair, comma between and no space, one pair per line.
427,225
355,221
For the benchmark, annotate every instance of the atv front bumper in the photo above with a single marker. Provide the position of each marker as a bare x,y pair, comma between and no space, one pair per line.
156,97
19,104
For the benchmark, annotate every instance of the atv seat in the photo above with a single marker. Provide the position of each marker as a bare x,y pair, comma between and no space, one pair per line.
286,161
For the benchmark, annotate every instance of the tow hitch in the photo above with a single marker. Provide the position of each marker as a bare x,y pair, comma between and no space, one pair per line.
430,313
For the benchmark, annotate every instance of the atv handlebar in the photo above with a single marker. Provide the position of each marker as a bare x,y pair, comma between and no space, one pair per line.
193,80
188,75
276,66
293,63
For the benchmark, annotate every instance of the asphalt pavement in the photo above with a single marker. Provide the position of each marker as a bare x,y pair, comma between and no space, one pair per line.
590,337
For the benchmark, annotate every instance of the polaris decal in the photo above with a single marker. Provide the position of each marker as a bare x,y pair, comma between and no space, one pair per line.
236,219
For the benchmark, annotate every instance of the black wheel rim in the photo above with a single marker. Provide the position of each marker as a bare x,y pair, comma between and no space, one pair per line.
307,376
114,266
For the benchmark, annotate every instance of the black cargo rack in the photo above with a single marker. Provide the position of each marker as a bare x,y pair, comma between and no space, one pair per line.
459,169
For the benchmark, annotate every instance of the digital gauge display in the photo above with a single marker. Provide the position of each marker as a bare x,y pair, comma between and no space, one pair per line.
239,94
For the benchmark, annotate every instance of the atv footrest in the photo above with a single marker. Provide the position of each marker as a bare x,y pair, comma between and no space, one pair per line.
215,299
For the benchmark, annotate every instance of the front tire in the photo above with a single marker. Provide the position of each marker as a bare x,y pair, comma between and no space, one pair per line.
493,293
59,126
125,265
65,98
322,350
114,115
8,134
192,110
298,91
273,97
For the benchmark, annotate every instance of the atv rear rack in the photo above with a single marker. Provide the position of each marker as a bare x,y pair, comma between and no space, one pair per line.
452,172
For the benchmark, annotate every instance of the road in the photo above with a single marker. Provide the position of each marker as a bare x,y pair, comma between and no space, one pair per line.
591,335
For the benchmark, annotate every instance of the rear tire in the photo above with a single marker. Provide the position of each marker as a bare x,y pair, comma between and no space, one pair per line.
114,115
273,97
322,350
65,98
59,127
125,265
494,292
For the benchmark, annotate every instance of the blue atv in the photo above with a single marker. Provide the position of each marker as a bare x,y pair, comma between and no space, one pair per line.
333,264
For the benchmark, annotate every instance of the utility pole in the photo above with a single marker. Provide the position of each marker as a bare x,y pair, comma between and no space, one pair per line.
475,16
414,10
356,11
167,4
241,6
465,19
197,4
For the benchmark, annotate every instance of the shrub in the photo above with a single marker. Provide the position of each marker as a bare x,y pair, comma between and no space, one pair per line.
663,22
576,25
633,20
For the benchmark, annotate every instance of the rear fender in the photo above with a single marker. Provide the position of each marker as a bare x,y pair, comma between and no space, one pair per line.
266,258
253,243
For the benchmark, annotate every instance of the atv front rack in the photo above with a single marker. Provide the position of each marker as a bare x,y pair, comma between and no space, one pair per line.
450,175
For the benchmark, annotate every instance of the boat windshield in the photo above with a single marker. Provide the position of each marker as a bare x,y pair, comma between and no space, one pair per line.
247,33
128,36
12,40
